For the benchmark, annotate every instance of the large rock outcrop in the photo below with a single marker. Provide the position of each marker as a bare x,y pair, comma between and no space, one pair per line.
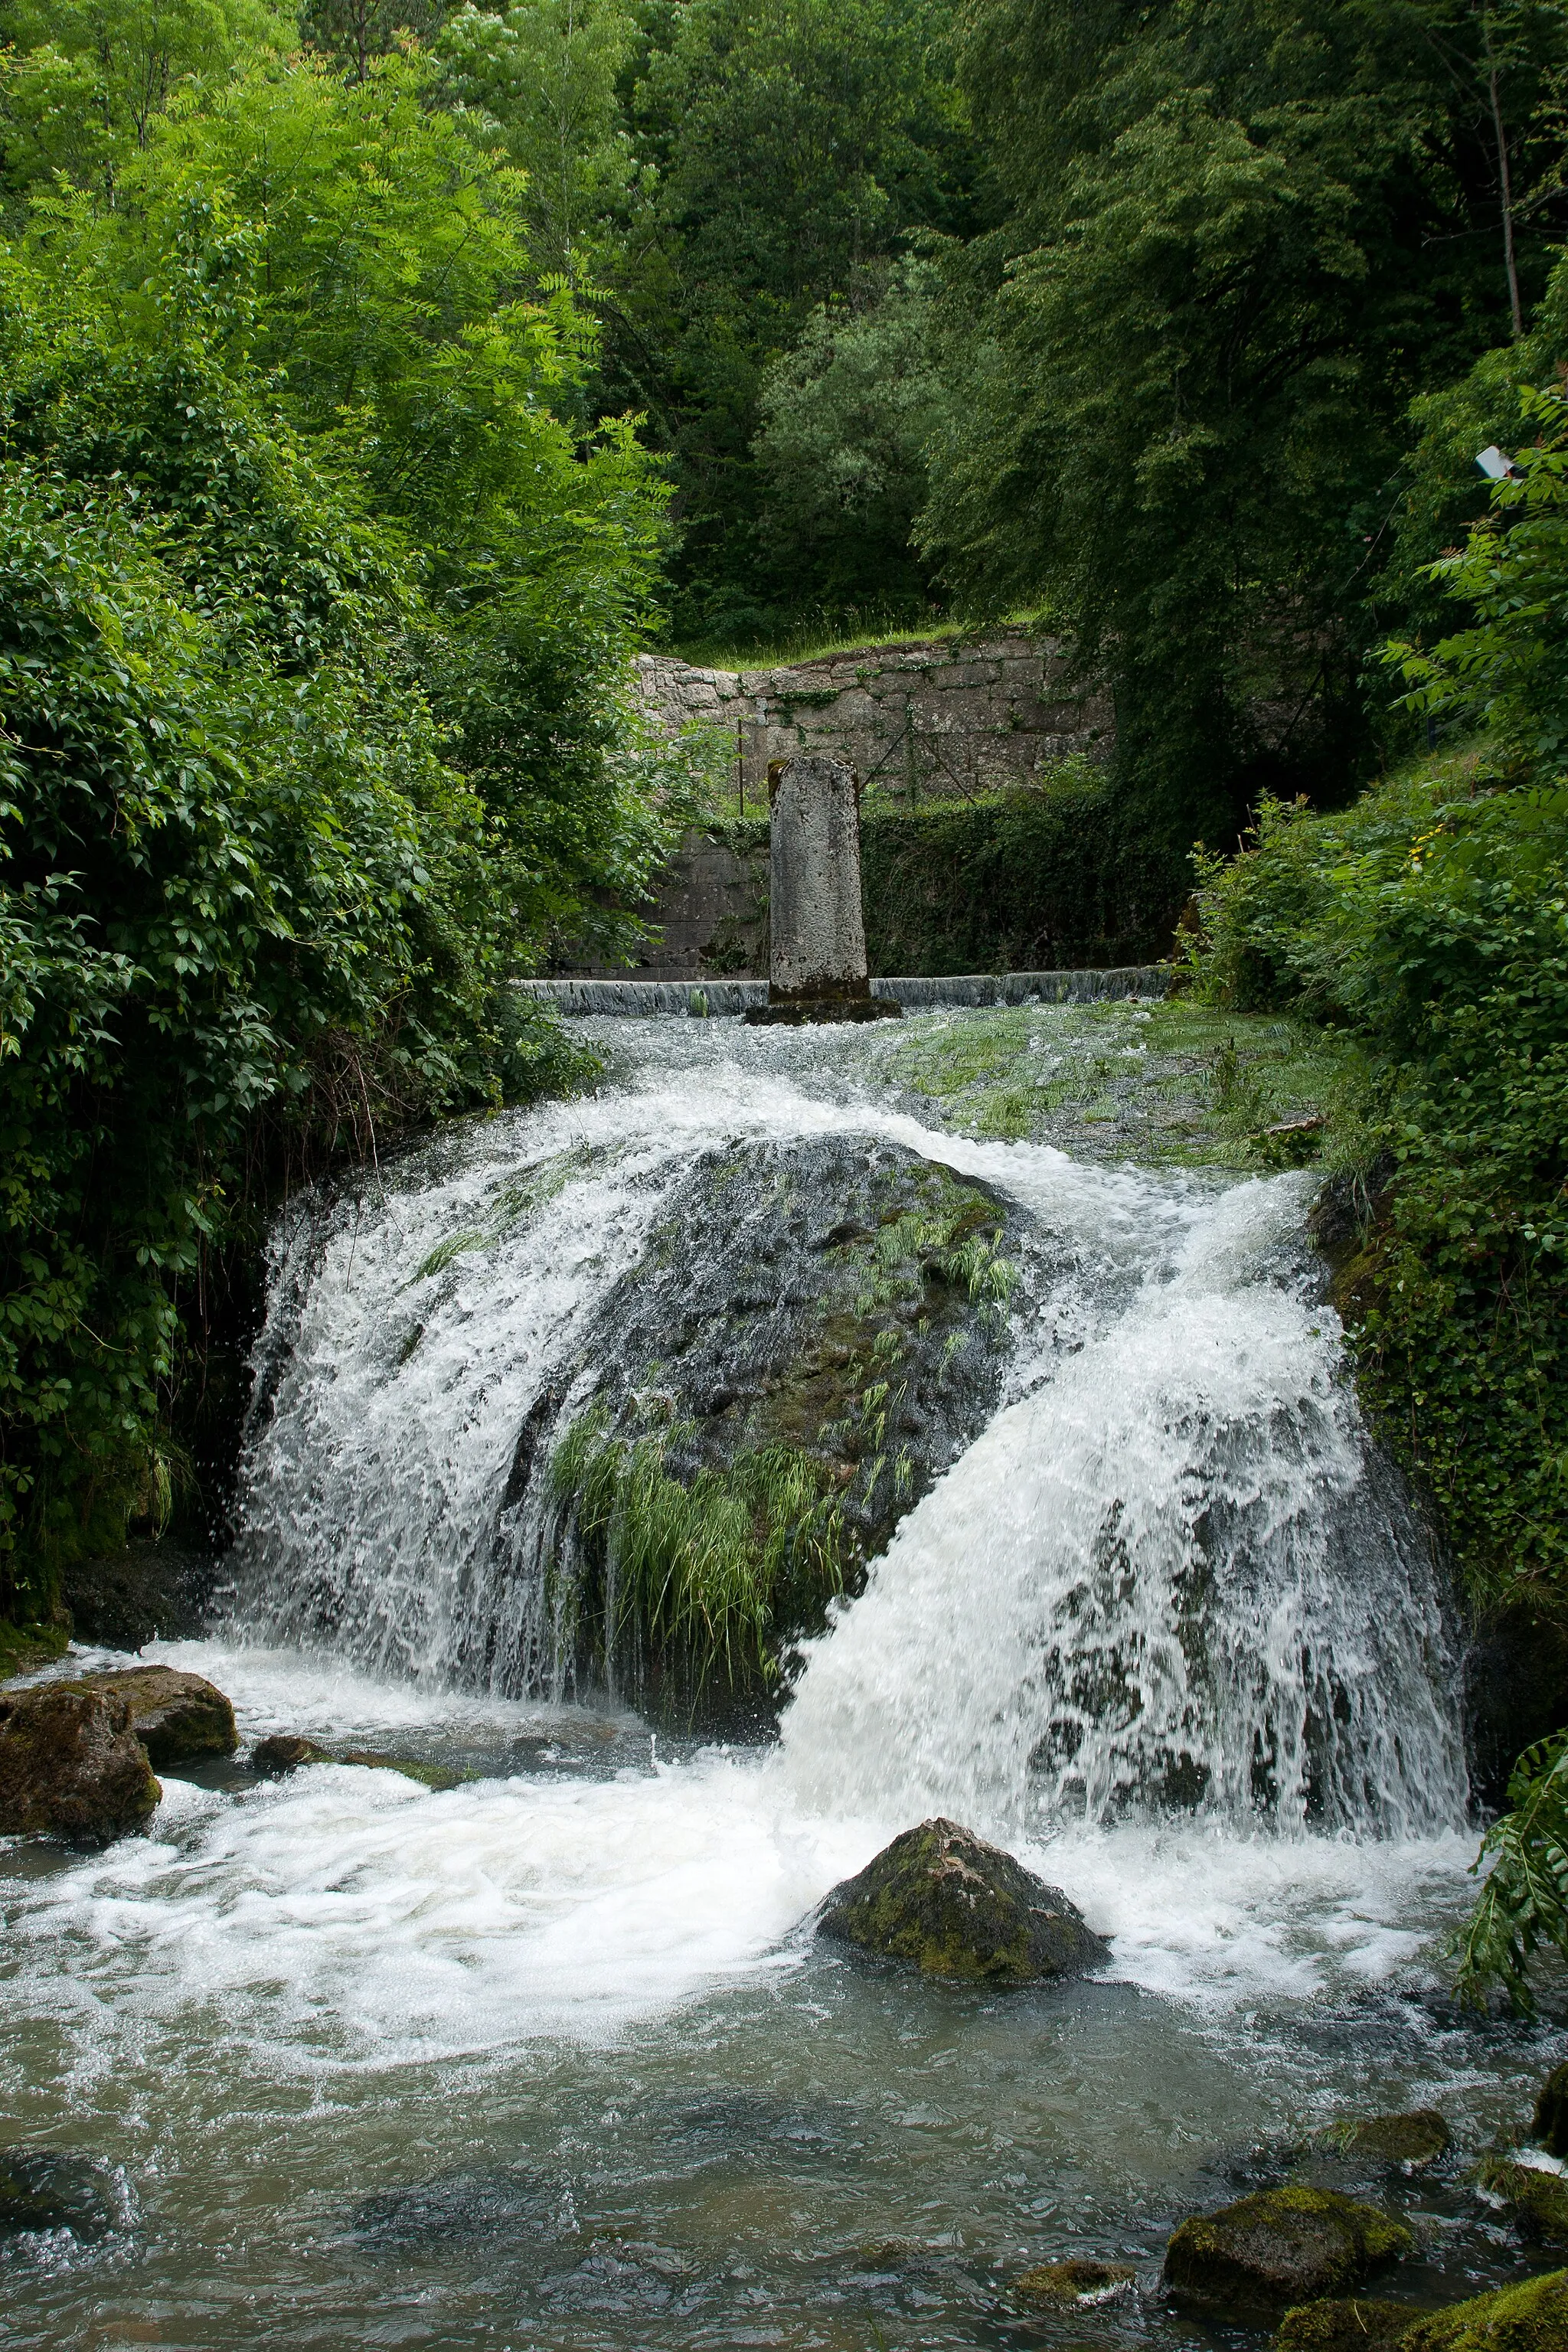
178,1717
957,1906
72,1765
1280,2246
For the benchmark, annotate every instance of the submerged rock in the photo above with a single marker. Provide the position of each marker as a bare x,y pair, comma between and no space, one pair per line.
1282,2246
1413,2140
1549,2122
458,2207
1346,2325
1528,2318
42,2189
72,1765
1079,2280
1536,2202
176,1717
958,1906
284,1751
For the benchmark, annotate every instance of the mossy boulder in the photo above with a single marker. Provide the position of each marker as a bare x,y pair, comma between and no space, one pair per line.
1076,2281
72,1765
1528,2318
1282,2246
45,2188
1550,2125
178,1717
1413,2140
1536,2202
814,1332
1345,2325
957,1906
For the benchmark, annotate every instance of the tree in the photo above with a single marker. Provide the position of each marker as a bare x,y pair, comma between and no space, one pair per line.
785,147
1236,249
541,78
846,414
84,81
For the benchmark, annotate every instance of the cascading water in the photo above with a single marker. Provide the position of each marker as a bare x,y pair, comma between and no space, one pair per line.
1168,1572
546,2052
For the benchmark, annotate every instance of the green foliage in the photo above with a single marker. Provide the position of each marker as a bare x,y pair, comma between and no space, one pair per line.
1523,1903
84,82
785,147
698,1579
1033,880
312,655
846,416
541,77
1179,371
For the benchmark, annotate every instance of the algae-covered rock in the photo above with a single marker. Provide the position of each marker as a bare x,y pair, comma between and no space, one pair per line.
284,1751
1550,2126
413,1767
1345,2325
1282,2246
814,1331
176,1717
72,1765
957,1906
1076,2281
1414,2140
1537,2201
43,2188
1528,2318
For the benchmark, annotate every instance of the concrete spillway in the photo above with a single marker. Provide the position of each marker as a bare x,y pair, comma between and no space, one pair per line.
716,997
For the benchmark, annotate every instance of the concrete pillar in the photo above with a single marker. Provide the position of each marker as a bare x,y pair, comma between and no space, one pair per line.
816,931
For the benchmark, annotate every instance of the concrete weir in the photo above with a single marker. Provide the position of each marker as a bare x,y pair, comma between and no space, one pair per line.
712,999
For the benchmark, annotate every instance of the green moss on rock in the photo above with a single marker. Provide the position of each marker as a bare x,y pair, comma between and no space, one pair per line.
1076,2281
1528,2318
72,1765
957,1906
1537,2201
1345,2325
1417,2139
1282,2246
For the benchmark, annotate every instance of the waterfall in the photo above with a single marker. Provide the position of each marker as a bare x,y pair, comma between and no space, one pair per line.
1169,1572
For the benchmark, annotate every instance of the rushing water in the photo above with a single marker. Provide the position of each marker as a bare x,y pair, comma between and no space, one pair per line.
548,2057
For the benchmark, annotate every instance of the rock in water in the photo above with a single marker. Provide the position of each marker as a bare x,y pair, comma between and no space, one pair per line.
43,2189
285,1751
1413,2140
1551,2123
1077,2281
1345,2326
1528,2318
943,1898
1282,2246
1537,2201
72,1765
176,1717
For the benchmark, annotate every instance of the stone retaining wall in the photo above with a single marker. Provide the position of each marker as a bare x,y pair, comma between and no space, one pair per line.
915,721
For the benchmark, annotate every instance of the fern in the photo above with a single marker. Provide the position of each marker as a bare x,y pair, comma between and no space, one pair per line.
1523,1905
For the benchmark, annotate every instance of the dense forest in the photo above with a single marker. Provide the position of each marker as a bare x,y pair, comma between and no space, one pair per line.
374,381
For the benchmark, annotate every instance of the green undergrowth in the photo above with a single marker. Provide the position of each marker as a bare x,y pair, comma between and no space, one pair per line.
1172,1084
820,640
